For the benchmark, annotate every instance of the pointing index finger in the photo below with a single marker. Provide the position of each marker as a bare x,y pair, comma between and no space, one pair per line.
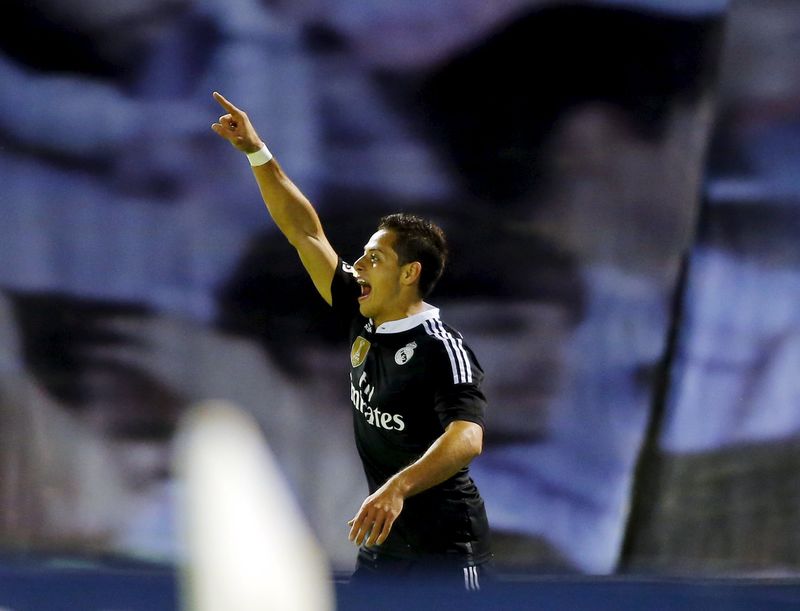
225,103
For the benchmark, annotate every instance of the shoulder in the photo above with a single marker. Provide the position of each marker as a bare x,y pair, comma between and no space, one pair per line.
344,291
435,334
344,273
445,346
438,331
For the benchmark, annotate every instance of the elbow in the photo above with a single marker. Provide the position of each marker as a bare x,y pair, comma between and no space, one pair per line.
467,439
477,447
295,237
475,441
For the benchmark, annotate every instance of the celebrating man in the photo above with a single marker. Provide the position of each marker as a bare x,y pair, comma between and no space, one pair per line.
414,383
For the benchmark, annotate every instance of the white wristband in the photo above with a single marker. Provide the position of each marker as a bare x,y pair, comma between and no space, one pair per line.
260,157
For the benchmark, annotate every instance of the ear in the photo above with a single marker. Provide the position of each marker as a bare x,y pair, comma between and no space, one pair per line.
410,273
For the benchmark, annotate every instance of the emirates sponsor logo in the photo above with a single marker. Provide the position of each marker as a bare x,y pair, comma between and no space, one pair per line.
361,396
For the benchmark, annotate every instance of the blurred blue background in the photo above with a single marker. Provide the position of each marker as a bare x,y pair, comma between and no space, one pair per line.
619,181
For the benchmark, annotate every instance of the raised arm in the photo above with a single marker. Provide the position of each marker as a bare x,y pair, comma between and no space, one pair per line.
290,209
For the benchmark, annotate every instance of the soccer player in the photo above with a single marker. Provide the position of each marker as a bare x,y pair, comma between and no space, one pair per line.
414,384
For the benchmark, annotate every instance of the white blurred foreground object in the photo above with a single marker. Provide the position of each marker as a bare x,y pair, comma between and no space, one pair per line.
248,547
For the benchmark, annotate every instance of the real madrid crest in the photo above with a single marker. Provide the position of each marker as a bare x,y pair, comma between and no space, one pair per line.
359,351
402,356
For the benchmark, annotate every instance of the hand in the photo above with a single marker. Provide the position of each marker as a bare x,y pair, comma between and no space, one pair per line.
377,515
235,127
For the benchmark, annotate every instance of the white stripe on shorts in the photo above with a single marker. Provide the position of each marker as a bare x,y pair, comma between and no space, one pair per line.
471,578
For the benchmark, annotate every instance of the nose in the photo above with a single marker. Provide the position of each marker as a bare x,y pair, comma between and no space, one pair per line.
359,264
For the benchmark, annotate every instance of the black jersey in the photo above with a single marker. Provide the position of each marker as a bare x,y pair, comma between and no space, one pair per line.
409,379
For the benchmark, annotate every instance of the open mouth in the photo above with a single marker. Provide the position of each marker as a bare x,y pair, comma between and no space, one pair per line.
366,289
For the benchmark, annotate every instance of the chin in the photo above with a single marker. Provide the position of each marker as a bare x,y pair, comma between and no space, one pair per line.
365,311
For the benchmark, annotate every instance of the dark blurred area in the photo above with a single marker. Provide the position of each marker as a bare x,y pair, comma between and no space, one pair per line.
640,63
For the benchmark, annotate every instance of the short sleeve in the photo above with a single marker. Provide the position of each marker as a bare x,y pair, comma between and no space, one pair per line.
344,292
458,386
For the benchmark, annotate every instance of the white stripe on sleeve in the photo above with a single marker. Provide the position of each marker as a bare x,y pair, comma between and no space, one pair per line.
450,340
455,347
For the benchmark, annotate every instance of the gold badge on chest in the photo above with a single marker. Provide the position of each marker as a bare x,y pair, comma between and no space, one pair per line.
359,351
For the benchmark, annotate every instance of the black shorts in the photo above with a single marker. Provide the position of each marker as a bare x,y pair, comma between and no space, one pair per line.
453,573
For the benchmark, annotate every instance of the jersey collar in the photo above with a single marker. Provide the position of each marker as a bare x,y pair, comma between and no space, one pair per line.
404,324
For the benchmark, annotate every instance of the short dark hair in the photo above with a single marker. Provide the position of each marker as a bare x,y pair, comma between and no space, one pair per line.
418,239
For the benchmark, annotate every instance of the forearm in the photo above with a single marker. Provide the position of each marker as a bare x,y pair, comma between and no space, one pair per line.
456,447
289,208
292,212
452,451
